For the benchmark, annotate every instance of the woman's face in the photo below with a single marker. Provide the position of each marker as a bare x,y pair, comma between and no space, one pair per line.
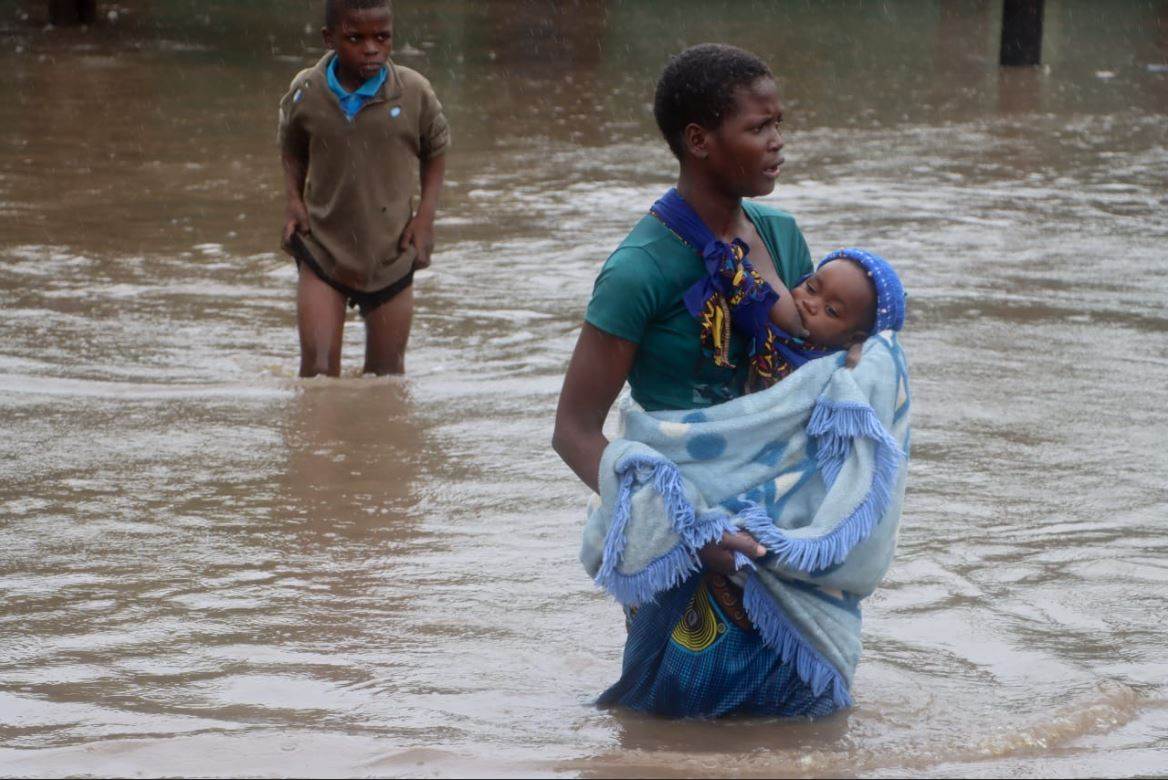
744,151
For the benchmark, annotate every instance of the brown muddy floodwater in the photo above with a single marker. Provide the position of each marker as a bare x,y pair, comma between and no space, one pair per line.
208,566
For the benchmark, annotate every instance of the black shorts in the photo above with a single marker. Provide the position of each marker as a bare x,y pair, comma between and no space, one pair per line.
365,302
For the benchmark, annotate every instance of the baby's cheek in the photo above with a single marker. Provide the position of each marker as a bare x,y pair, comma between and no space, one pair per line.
832,334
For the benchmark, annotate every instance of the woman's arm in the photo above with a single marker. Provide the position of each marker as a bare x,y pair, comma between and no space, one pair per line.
785,314
599,367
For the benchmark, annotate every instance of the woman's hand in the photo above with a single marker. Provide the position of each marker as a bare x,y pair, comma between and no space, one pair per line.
719,556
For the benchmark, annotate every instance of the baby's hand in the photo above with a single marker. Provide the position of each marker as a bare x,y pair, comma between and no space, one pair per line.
855,352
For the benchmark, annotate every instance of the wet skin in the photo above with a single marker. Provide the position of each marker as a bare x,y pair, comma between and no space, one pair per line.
741,158
743,153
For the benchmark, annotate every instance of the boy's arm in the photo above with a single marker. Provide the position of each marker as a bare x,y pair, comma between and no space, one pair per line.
420,229
292,140
295,212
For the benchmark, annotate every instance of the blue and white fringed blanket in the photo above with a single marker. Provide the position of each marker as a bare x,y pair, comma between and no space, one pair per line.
813,468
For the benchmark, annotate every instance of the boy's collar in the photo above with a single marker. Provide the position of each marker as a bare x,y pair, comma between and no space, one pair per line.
391,86
367,90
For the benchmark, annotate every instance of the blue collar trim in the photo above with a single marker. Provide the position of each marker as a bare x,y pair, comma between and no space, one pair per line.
352,102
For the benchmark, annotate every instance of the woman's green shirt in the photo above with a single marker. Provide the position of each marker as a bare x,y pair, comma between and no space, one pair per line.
638,296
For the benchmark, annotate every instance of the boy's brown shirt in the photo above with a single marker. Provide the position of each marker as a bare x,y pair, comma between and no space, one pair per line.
361,174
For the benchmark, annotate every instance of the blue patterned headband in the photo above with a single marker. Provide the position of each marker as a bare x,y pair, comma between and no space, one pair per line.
889,290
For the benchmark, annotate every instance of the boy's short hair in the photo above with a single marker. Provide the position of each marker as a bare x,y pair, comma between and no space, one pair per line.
334,8
698,85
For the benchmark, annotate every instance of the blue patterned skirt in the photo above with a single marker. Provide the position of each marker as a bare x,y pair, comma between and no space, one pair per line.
695,654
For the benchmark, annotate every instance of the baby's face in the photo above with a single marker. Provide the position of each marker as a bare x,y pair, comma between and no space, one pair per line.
837,304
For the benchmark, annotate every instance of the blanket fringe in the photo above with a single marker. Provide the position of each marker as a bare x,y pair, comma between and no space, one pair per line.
834,427
665,573
675,566
778,634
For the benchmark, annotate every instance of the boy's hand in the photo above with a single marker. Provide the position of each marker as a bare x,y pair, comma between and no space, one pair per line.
419,232
719,556
855,352
295,220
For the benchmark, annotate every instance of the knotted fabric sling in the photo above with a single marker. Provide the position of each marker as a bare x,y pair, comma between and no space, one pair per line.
733,296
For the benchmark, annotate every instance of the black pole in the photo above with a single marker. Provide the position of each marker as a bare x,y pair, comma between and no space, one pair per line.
66,12
1021,32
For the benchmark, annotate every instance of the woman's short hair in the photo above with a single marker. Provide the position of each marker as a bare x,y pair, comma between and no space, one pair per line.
697,86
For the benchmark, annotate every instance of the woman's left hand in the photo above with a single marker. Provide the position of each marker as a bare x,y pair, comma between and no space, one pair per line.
719,556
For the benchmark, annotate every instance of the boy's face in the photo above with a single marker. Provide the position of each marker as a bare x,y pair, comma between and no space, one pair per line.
363,40
837,304
744,151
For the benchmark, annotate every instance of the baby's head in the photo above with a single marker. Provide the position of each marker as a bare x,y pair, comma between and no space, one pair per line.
851,295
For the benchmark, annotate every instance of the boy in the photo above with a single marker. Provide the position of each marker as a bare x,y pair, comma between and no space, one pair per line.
354,132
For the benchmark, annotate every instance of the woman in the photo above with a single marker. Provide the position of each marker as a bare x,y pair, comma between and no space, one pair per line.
718,109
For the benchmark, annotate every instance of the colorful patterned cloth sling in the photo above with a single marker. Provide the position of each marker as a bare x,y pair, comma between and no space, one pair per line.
733,296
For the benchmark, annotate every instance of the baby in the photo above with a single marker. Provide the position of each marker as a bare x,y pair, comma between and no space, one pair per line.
849,297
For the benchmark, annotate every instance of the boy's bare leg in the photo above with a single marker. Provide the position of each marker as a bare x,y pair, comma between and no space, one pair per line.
320,318
387,330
